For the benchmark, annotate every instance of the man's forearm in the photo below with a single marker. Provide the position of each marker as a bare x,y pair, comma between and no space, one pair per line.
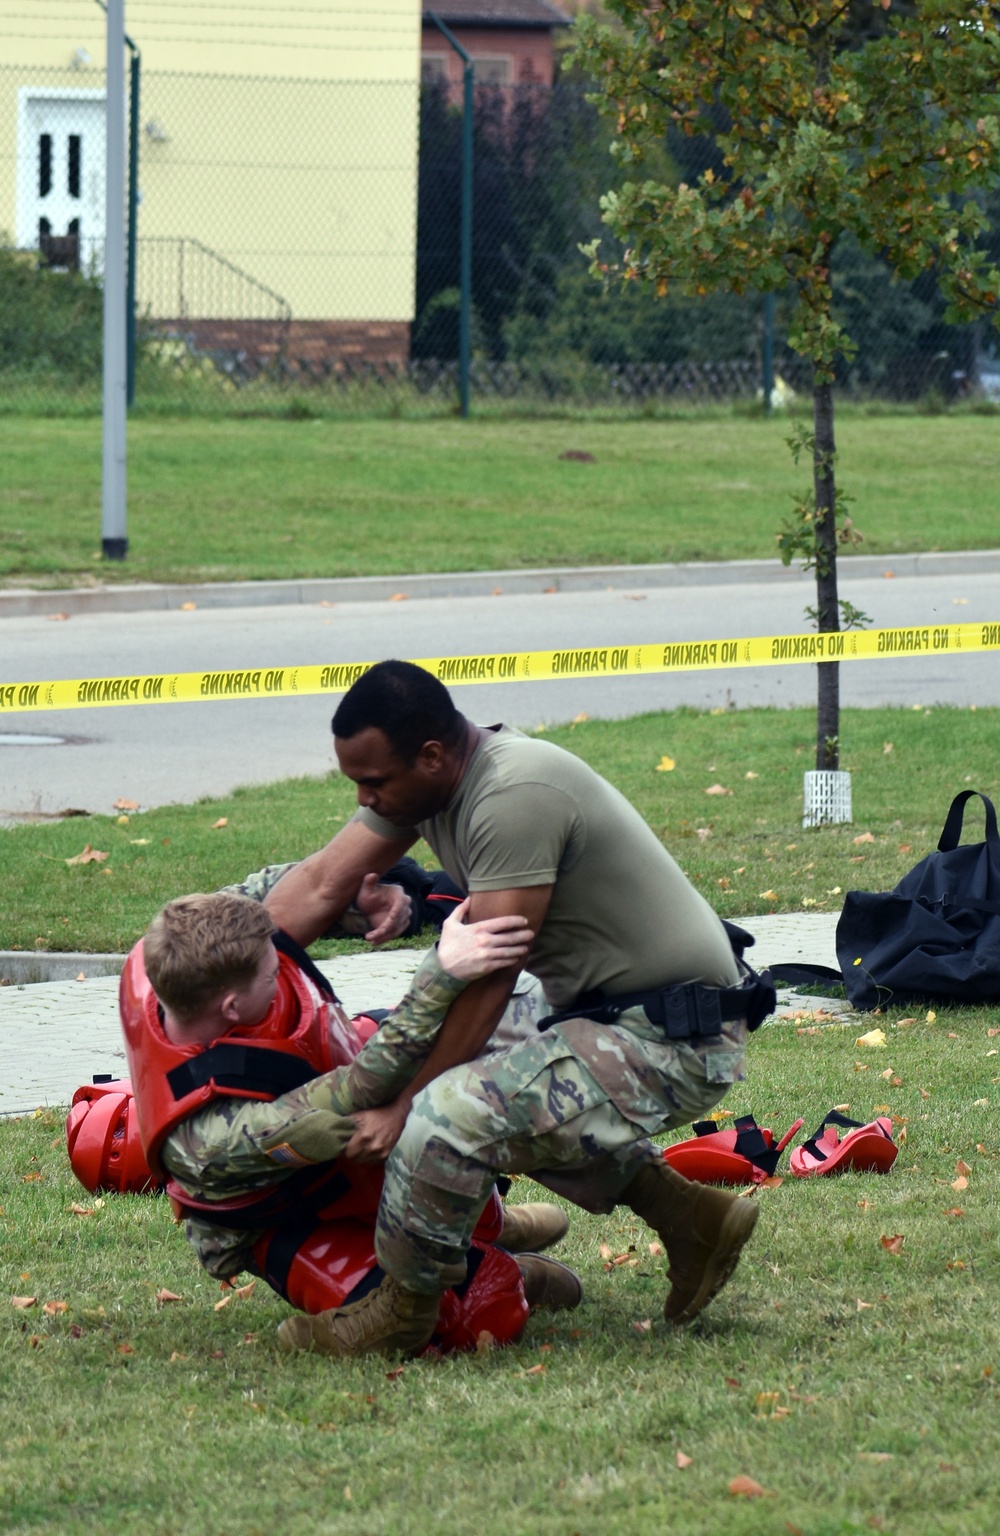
471,1021
314,894
400,1046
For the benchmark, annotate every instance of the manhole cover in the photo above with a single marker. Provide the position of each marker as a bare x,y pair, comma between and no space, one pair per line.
25,739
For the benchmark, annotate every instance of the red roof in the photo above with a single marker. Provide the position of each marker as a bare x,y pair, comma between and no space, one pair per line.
534,14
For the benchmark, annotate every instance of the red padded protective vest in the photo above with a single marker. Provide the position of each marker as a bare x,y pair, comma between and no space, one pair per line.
300,1024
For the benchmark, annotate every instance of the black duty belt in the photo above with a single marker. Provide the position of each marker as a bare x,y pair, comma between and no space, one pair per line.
688,1011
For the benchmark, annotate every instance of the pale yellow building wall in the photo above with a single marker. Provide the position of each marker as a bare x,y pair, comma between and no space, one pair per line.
285,141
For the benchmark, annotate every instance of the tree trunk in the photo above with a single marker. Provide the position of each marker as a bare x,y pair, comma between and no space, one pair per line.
827,605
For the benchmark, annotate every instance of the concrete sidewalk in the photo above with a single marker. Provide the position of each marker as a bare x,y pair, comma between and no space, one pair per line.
55,1035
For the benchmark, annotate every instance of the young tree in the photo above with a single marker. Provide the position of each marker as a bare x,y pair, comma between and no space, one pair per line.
826,117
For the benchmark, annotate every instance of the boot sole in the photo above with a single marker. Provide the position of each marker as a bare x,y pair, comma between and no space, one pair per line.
736,1231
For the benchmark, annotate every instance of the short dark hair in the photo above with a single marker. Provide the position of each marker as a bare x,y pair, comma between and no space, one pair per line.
406,703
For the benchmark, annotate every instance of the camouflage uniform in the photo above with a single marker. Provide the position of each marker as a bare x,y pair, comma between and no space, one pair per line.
236,1147
572,1107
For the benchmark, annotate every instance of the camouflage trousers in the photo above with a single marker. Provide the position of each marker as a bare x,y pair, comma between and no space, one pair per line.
573,1107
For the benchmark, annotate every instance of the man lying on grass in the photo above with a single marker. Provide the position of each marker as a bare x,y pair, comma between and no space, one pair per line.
246,1071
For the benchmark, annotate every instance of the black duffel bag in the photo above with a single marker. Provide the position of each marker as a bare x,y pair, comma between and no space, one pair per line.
936,937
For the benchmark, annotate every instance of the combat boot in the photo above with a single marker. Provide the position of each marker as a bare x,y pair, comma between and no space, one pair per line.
702,1229
387,1321
530,1228
549,1284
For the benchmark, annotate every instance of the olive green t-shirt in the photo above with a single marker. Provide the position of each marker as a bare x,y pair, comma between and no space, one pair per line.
622,917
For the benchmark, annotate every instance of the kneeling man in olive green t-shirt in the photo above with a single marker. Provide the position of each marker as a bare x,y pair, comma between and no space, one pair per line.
527,828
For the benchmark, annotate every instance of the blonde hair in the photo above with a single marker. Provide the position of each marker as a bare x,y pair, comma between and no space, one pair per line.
199,946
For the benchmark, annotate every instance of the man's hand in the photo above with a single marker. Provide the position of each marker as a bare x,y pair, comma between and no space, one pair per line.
387,908
471,950
376,1132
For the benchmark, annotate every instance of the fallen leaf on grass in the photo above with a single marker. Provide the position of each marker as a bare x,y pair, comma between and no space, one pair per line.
32,1178
732,1381
643,1327
930,1016
959,1184
223,1303
955,1210
485,1342
717,789
666,764
863,1306
223,821
536,1370
604,1251
746,1488
88,856
875,1456
893,1244
75,1331
81,1210
656,1250
962,1167
683,1461
768,895
53,1308
125,1349
244,1290
36,1341
874,1040
165,1295
396,1374
863,837
175,1356
23,1301
126,805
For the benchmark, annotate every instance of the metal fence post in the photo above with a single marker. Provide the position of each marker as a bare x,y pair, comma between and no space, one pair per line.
465,267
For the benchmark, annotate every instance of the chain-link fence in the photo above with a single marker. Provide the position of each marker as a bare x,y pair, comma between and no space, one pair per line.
299,239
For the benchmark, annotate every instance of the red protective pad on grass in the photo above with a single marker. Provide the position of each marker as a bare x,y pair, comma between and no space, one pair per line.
102,1138
865,1149
743,1154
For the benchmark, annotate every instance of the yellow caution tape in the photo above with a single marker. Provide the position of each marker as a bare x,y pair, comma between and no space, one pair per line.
509,667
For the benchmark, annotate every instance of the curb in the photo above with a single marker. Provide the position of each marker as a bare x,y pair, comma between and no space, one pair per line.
25,967
152,596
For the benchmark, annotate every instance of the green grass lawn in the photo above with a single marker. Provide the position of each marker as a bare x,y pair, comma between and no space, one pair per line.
745,849
856,1386
218,499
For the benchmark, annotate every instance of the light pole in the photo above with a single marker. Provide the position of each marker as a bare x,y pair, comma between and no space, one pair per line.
114,539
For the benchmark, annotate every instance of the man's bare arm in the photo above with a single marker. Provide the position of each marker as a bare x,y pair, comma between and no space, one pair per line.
313,895
472,1018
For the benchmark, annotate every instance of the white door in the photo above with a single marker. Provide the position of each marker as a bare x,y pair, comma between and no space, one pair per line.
61,176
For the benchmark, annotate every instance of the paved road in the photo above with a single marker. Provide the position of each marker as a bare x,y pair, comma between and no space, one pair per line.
162,754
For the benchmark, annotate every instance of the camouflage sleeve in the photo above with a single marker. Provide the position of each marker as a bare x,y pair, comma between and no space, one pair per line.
397,1050
236,1146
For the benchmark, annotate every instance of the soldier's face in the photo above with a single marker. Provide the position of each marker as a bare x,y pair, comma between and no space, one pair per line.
253,1002
400,793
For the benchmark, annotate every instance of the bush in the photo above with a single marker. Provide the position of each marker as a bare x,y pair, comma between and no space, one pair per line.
50,322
